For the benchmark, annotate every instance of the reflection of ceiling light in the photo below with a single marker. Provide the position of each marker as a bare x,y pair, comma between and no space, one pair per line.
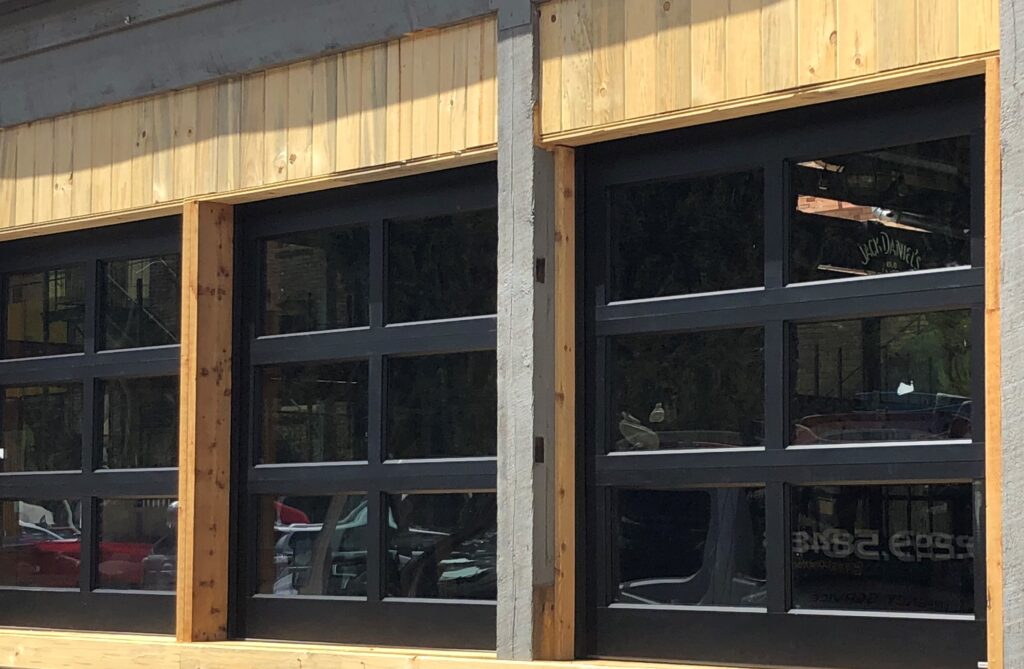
839,209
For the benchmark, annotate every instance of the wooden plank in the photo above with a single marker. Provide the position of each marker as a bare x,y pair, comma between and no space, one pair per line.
8,175
102,159
163,148
609,62
577,66
275,118
206,139
373,115
856,46
896,33
25,175
405,92
251,158
565,405
474,89
325,115
978,24
816,41
229,134
937,30
300,120
142,154
489,82
81,165
183,130
426,70
460,80
205,419
63,145
394,116
769,102
641,58
707,61
350,72
550,30
744,74
446,93
993,370
673,54
778,44
42,207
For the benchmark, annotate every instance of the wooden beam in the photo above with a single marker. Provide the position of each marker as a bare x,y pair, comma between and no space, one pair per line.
993,369
205,440
770,102
30,649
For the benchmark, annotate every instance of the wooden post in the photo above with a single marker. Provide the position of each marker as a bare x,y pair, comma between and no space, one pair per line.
993,369
560,632
205,441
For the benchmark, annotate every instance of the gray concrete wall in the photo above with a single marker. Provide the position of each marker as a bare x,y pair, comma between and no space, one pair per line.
59,56
1012,138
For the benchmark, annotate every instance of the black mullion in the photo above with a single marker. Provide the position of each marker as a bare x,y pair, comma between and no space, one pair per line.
980,561
377,410
977,357
93,329
775,224
88,542
378,273
777,546
776,428
92,423
4,298
376,552
978,195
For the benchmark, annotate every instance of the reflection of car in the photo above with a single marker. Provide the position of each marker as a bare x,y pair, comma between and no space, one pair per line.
294,556
884,416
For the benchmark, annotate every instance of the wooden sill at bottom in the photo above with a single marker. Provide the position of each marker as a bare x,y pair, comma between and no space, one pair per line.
45,649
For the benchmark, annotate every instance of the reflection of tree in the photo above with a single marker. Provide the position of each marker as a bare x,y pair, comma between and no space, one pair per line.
324,546
694,235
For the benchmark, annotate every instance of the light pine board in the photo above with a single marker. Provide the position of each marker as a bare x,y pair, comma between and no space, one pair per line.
423,96
608,61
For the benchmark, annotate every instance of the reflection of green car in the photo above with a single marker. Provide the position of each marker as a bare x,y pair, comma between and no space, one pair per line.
294,556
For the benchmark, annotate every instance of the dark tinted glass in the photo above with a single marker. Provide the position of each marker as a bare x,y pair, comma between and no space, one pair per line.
900,209
315,413
142,302
894,378
685,236
442,546
138,541
298,557
884,548
443,267
140,423
316,281
45,312
42,428
687,390
442,406
690,547
40,543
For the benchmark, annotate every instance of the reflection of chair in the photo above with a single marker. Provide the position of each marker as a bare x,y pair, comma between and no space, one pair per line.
637,435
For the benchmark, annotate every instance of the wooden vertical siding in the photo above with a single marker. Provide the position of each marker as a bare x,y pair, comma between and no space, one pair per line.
422,96
610,61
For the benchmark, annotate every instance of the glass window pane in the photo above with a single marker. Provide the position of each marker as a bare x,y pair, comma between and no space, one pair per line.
40,544
296,557
442,546
684,236
900,209
140,423
45,313
905,548
315,413
893,378
141,302
690,547
443,266
316,281
442,406
138,541
687,390
42,428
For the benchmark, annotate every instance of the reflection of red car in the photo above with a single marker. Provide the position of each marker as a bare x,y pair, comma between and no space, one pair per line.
55,564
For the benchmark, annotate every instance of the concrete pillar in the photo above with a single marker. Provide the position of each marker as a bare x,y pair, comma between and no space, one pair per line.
1012,307
525,340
